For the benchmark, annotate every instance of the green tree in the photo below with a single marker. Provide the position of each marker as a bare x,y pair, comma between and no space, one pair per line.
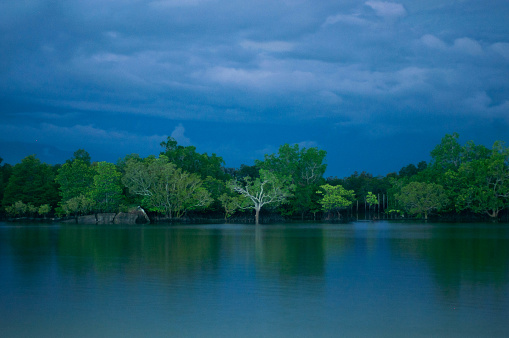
17,209
82,155
107,188
31,182
77,205
231,204
371,199
305,167
269,188
44,210
422,198
75,178
485,183
335,198
447,159
189,160
165,188
448,154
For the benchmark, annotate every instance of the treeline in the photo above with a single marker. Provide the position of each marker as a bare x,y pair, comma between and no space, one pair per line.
460,181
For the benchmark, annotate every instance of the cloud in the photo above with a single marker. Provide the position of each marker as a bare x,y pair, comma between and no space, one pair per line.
269,46
468,46
352,19
432,41
502,48
90,68
463,45
178,135
387,9
176,3
93,139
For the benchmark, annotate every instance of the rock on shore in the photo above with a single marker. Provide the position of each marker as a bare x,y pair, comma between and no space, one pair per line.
137,216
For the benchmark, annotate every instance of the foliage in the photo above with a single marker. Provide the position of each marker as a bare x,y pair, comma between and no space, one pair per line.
305,167
485,183
231,204
20,209
269,188
31,182
75,178
17,209
449,154
216,188
362,184
44,210
82,155
187,159
107,189
371,199
422,198
165,188
77,205
473,178
335,198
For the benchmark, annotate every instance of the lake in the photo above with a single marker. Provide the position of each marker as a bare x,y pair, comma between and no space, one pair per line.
384,279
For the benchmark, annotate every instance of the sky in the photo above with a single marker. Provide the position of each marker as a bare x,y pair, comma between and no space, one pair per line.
376,84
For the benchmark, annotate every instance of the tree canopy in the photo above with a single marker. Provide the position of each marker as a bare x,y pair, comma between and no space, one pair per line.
269,188
460,180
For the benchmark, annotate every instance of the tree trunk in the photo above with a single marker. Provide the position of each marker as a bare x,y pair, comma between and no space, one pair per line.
257,216
493,214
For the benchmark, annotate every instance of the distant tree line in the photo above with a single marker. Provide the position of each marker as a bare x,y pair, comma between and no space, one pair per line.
460,180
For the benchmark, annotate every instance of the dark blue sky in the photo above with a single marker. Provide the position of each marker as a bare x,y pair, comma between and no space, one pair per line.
376,84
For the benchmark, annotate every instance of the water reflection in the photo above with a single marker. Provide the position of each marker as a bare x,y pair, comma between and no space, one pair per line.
300,252
32,246
460,255
359,279
160,251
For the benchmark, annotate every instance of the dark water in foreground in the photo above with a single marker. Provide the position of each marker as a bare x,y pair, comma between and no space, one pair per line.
321,280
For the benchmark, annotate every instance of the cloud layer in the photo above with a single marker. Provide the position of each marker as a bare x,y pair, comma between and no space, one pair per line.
105,71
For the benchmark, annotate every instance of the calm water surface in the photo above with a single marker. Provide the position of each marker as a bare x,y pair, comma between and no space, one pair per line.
300,280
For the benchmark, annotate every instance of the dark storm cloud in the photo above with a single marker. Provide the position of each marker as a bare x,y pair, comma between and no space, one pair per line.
119,76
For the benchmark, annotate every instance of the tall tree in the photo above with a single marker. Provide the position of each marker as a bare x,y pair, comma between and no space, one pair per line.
81,154
189,160
448,154
107,189
164,187
31,182
75,178
269,188
305,167
485,183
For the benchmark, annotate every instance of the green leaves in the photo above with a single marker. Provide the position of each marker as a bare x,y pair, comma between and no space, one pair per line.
335,198
80,204
269,188
485,183
106,188
305,167
371,199
164,187
75,178
188,159
31,182
422,198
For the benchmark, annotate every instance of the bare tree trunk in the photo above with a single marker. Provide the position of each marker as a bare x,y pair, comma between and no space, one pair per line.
257,216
